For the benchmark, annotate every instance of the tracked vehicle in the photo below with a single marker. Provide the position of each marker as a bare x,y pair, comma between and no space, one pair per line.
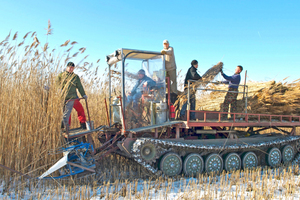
149,134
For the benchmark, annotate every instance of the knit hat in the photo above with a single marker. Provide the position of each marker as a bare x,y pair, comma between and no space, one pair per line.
194,62
141,71
71,64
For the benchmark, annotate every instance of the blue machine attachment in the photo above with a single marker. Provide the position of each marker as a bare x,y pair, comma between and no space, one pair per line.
76,159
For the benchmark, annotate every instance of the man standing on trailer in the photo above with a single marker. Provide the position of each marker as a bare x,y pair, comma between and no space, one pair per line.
68,82
232,93
170,65
191,74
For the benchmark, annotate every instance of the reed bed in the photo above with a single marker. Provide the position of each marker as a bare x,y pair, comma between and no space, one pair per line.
31,105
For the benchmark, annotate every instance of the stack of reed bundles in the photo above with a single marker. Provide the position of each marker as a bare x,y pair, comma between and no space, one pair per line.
263,98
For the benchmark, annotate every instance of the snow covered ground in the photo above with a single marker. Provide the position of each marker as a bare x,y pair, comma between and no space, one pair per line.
232,186
258,184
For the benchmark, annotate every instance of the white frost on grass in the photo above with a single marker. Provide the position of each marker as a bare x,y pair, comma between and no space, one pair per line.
267,185
256,184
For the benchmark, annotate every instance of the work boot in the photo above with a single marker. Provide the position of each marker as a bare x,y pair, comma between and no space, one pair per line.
83,125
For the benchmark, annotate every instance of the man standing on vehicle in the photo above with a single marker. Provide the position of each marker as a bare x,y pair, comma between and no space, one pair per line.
68,82
170,64
191,74
232,93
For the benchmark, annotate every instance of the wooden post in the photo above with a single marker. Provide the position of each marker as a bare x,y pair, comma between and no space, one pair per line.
245,84
177,132
244,92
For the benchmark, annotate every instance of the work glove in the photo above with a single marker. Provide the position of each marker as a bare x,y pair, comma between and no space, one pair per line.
222,71
84,96
163,52
46,87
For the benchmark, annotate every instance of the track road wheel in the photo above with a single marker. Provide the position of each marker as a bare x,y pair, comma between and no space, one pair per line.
214,163
274,157
288,154
193,164
232,162
171,164
148,152
249,160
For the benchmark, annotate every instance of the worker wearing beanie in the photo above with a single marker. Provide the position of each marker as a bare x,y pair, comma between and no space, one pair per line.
69,83
170,64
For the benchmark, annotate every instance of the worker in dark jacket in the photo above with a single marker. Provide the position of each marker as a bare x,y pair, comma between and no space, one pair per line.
69,83
144,82
191,74
232,93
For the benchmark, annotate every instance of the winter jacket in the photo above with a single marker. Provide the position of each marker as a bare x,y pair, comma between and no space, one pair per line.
68,83
139,85
169,59
234,79
191,74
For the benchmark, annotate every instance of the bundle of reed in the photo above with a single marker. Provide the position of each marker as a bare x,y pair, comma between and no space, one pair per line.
277,99
208,76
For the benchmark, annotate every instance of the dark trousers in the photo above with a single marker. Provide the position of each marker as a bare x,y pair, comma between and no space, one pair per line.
192,107
230,98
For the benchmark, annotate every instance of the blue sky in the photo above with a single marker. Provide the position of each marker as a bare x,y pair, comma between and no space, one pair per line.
262,36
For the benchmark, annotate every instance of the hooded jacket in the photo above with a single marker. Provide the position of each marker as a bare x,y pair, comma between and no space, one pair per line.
68,83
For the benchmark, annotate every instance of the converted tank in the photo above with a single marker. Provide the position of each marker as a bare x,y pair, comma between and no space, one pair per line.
207,144
144,128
